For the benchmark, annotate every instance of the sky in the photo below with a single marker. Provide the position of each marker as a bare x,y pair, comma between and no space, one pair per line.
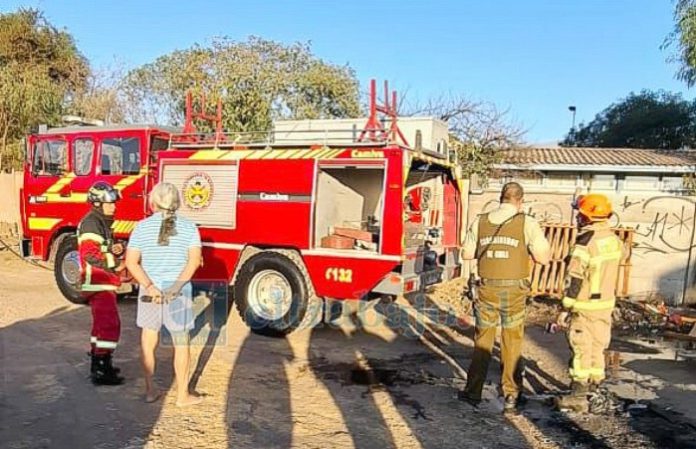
531,57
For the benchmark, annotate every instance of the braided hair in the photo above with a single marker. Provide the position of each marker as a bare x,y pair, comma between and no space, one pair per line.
167,228
165,198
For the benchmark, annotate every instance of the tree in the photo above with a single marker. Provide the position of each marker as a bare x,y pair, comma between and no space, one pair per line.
683,40
479,131
644,120
40,70
258,81
101,97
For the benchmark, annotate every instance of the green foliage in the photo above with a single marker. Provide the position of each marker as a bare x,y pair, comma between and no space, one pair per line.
683,40
40,69
258,81
644,120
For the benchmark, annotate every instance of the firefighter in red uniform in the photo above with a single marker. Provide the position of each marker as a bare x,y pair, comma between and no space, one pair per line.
100,280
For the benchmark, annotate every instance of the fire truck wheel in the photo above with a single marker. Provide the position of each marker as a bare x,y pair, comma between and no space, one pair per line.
67,270
272,294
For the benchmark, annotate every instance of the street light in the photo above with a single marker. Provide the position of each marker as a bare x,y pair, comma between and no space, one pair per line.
573,109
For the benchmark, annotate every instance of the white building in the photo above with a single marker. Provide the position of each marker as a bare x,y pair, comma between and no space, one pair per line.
648,189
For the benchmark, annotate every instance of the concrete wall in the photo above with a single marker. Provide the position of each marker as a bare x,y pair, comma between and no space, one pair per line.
663,226
10,183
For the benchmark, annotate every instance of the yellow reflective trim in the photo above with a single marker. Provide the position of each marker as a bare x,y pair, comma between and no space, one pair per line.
581,253
42,224
596,372
62,182
88,277
99,288
73,198
607,257
299,155
323,154
123,226
208,154
594,305
290,153
568,302
234,155
90,236
270,154
101,344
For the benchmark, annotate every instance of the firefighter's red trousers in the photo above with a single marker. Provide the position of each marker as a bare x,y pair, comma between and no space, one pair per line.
106,324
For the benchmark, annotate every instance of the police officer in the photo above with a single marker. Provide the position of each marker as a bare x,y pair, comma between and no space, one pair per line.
100,280
589,295
502,242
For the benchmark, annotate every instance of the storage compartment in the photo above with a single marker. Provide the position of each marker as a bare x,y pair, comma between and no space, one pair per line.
349,205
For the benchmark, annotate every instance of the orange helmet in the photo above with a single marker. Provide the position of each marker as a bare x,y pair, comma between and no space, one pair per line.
594,206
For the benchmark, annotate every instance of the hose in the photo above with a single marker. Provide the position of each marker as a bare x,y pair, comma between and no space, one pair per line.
19,256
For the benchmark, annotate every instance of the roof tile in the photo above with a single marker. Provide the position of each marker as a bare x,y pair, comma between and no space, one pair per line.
599,156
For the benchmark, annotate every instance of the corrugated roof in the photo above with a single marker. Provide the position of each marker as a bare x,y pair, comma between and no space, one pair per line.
599,156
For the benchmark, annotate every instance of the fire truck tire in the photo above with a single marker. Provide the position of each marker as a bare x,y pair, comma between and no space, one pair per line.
67,269
274,295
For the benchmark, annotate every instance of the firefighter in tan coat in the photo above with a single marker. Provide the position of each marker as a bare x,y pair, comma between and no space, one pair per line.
589,296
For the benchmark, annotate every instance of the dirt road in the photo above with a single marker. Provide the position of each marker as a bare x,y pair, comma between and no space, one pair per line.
386,380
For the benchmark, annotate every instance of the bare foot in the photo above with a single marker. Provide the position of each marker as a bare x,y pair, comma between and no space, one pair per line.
189,400
152,395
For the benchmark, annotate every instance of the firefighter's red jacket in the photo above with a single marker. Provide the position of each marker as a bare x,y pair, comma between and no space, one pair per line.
97,262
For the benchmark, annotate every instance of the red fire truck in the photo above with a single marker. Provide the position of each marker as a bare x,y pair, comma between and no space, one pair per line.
287,218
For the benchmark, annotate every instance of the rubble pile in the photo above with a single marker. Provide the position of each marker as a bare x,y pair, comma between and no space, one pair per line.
652,317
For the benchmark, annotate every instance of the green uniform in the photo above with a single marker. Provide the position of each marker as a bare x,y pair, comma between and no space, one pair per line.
590,297
503,242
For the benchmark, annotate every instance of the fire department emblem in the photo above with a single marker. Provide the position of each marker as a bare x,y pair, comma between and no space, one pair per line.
198,191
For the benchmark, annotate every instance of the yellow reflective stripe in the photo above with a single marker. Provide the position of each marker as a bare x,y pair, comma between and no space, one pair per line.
61,183
568,302
90,236
99,288
73,198
597,373
101,344
580,252
236,155
110,260
42,224
127,181
123,226
208,154
601,258
599,304
88,276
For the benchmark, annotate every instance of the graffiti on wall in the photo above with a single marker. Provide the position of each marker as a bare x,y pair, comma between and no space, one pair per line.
663,224
543,211
668,226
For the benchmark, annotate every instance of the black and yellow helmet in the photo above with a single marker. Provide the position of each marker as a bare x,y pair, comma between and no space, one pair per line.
102,192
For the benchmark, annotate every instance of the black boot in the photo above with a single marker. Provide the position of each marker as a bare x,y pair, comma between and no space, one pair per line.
102,371
112,368
93,366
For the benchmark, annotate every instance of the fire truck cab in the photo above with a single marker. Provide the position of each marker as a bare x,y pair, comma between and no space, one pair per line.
313,210
60,166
